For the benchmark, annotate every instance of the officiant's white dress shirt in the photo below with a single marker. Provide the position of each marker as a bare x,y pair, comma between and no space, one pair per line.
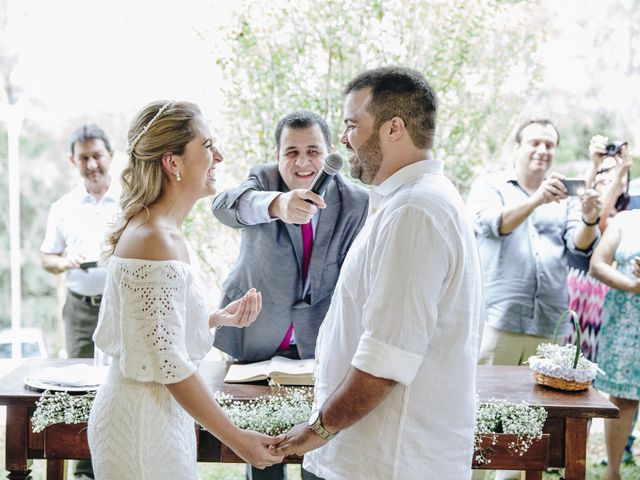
408,306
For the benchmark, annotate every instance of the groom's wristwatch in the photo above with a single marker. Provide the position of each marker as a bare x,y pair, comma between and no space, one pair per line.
315,424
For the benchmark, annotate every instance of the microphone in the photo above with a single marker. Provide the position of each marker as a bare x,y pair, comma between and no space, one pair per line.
330,167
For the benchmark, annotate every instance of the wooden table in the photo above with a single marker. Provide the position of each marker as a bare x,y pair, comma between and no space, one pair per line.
568,414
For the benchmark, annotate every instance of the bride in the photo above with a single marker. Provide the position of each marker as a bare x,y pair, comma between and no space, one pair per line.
154,320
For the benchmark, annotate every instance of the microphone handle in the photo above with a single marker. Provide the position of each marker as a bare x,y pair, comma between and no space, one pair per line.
319,186
321,183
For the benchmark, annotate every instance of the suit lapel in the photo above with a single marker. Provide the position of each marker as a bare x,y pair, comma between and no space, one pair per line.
327,220
294,231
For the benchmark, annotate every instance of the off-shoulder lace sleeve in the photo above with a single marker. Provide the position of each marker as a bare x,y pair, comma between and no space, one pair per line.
154,308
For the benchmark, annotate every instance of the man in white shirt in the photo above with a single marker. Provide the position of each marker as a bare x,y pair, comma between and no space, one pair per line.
397,351
76,228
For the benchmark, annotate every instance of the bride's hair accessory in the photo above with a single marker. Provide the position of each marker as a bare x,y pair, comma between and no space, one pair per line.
146,127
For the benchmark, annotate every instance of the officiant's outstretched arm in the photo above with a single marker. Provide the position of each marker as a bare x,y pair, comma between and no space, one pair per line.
155,321
291,250
397,352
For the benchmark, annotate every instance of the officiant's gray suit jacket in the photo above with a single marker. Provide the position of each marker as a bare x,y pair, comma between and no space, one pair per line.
270,260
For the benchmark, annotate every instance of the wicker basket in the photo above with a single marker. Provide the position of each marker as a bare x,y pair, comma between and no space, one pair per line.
560,383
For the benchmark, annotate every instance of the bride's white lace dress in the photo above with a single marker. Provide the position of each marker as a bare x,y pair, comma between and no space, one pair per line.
154,322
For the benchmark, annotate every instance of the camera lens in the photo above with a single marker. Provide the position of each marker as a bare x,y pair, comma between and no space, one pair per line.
614,148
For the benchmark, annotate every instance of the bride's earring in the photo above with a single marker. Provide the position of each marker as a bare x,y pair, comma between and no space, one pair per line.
178,177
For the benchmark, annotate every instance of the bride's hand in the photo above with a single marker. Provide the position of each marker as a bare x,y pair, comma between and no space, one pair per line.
253,447
239,313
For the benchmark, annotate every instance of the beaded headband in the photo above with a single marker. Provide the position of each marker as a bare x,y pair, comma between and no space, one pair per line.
146,127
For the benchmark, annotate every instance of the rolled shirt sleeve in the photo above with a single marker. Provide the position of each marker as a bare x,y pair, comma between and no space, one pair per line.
485,203
401,312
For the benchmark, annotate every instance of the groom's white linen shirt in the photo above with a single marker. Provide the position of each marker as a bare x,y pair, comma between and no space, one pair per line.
408,306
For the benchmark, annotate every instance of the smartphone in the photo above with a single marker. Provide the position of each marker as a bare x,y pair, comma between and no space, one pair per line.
575,186
87,265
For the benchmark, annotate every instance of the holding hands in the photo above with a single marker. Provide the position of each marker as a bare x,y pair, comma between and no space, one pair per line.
296,206
256,448
239,313
297,441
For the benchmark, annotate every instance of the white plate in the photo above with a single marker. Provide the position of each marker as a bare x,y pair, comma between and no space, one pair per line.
71,378
40,384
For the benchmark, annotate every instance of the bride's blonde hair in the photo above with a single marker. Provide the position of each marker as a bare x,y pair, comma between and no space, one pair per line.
160,127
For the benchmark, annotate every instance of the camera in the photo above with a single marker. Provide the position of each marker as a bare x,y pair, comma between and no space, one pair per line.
614,148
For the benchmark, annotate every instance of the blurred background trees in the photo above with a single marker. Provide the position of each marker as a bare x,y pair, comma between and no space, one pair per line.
493,63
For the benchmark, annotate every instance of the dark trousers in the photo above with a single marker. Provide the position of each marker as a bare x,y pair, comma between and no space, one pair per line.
279,472
80,320
276,472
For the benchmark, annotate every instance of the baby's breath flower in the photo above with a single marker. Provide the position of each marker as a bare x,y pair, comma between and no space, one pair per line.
557,361
60,407
501,416
271,414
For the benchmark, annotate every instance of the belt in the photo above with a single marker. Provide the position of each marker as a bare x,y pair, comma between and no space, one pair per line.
94,301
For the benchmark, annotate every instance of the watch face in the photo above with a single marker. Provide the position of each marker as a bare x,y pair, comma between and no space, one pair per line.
314,417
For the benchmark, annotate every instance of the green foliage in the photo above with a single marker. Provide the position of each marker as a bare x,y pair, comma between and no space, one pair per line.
284,56
574,139
39,187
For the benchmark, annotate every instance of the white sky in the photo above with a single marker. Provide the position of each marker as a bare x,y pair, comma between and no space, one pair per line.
83,56
79,57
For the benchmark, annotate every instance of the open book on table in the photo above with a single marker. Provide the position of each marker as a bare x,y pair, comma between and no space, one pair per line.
284,371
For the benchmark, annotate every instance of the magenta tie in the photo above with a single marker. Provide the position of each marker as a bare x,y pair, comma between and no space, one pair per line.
307,245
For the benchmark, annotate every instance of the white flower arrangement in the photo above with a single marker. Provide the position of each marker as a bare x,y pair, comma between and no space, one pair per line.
271,414
564,362
60,407
559,362
501,416
286,407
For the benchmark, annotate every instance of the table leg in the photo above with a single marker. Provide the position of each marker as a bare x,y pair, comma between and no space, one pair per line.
575,449
17,438
56,470
531,475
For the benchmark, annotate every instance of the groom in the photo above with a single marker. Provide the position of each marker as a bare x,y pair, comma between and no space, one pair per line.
397,351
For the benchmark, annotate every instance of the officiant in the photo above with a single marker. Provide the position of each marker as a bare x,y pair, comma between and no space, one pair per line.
291,250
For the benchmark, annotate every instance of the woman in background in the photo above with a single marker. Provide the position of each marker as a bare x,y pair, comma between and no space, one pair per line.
619,350
609,175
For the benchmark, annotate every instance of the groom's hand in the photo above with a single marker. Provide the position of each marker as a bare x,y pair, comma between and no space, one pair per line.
298,441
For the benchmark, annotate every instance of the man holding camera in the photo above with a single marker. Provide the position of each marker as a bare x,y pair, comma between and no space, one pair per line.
524,223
